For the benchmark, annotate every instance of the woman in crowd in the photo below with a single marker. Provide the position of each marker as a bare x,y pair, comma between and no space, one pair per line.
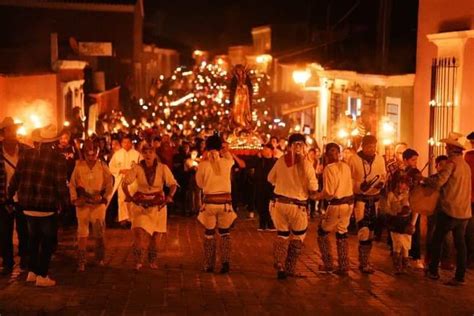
148,210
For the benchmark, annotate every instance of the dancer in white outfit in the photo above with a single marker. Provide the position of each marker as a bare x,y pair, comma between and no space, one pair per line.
91,182
337,190
213,177
148,210
295,181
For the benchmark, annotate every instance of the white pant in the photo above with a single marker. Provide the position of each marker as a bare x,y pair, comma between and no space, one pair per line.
401,243
289,218
90,214
123,207
337,217
214,216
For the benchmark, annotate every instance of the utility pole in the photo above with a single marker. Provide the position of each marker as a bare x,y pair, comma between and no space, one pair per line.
383,33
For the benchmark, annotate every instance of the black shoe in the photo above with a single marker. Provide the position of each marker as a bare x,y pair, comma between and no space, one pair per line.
455,282
225,268
6,271
281,275
23,264
432,276
341,273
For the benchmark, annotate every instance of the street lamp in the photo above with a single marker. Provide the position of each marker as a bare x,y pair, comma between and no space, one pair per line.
301,76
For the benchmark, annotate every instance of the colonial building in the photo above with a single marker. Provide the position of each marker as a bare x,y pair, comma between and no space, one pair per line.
341,105
341,95
444,96
95,46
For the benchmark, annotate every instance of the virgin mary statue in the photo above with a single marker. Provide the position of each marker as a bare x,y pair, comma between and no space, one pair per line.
241,97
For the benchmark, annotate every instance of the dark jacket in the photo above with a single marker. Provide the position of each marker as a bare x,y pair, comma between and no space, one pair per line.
40,180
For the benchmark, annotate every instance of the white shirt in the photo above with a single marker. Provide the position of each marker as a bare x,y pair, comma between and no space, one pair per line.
123,159
93,180
163,176
396,202
9,169
209,181
291,182
361,170
337,181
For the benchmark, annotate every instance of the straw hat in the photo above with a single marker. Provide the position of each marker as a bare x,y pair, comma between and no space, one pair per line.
8,122
453,139
46,134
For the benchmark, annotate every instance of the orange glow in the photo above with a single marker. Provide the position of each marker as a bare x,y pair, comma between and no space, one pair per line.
33,115
301,76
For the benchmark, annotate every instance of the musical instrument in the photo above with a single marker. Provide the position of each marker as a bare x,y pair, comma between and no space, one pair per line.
423,199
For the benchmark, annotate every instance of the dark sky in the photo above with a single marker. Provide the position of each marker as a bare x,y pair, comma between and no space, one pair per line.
213,24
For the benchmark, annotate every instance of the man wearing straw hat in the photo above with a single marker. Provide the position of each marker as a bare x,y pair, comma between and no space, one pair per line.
454,182
40,180
469,157
10,150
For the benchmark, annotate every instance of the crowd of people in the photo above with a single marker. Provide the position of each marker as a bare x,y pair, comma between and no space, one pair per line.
132,178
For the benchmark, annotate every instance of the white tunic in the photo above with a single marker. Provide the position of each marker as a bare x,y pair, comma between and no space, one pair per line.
216,215
291,182
151,219
93,180
361,170
337,181
212,183
123,159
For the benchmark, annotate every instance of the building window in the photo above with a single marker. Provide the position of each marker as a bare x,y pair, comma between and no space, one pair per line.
354,107
393,114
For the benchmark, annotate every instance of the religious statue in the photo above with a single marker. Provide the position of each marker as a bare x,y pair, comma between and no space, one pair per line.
241,97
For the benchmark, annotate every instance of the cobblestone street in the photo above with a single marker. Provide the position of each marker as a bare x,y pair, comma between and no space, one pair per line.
179,287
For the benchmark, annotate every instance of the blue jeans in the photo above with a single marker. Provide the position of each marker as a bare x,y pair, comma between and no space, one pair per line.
445,224
42,244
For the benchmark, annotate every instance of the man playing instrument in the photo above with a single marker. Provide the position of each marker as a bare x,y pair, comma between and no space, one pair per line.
368,175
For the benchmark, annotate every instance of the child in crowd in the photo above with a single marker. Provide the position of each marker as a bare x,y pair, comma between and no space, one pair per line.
399,222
